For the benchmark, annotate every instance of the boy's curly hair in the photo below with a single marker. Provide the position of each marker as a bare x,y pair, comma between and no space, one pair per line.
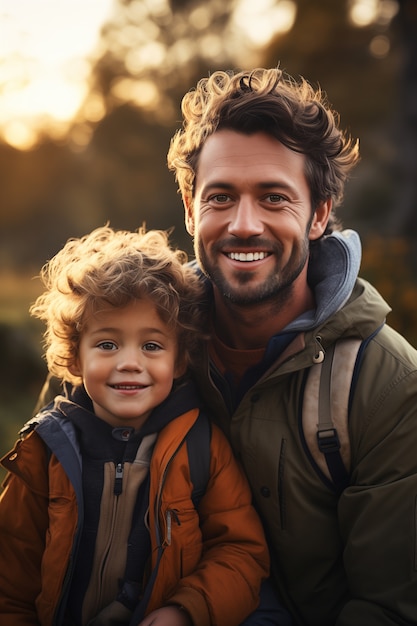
269,101
109,268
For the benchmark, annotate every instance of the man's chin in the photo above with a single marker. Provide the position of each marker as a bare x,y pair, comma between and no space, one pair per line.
244,297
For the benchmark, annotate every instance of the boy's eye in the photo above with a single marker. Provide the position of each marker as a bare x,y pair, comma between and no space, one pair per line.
151,346
107,345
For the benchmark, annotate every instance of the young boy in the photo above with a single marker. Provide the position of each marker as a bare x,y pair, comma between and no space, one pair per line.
97,523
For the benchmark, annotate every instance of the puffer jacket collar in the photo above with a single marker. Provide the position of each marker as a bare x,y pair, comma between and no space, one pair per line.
55,426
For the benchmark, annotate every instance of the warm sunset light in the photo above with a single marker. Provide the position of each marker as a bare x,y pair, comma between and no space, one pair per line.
47,48
44,47
263,19
365,12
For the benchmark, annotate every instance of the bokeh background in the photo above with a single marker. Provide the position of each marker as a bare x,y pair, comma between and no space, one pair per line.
90,95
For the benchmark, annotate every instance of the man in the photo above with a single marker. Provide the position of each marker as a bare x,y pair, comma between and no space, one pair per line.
261,164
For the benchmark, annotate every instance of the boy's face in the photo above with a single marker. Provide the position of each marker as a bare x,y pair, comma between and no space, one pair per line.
128,361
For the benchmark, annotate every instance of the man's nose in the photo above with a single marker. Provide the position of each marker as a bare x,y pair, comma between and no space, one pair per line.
246,220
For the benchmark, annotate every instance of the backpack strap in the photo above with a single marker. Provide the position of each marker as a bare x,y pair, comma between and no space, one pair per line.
198,448
325,411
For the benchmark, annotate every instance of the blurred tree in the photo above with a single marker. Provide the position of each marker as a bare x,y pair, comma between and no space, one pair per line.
156,50
368,67
403,220
387,264
152,53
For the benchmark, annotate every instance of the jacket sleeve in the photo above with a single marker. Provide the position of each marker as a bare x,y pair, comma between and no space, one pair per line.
235,558
23,525
378,512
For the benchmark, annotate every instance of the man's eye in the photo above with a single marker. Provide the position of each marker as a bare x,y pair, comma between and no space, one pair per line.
150,346
107,345
220,198
275,198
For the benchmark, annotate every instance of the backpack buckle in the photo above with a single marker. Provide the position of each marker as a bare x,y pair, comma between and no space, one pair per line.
328,440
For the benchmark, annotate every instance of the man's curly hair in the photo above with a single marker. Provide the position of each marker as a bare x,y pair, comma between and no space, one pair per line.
109,268
269,101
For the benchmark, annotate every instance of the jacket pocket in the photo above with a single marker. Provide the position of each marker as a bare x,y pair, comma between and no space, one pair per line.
182,535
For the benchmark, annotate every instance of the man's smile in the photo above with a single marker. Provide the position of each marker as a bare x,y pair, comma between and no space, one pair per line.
247,257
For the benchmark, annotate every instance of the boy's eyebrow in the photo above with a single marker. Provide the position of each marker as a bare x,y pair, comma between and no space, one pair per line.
111,329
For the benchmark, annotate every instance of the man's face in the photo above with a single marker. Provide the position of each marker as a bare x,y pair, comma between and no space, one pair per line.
252,217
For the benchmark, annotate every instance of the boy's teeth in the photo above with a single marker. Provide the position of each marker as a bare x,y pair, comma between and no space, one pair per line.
247,256
126,386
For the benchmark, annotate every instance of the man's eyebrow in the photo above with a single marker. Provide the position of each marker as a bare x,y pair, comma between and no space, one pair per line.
218,185
266,184
280,184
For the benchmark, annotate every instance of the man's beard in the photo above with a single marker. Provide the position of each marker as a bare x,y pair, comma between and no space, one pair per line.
276,287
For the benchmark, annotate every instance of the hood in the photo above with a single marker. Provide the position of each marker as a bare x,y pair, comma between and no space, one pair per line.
332,271
346,305
364,313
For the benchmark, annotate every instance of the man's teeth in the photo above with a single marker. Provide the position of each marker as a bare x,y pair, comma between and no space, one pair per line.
247,256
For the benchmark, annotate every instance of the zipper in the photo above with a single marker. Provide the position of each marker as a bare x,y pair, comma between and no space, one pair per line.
118,481
110,537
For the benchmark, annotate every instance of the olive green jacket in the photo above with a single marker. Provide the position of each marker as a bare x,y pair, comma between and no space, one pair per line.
348,560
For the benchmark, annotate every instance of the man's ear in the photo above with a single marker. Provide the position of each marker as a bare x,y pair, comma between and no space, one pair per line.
189,215
320,219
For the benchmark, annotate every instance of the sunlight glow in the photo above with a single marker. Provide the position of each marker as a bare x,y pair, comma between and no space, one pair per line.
43,71
19,135
379,46
365,12
150,54
142,92
263,19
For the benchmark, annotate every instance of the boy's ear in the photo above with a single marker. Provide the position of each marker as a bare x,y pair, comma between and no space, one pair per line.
180,367
320,219
75,369
189,215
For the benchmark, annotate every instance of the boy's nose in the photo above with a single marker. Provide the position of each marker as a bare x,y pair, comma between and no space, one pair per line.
130,360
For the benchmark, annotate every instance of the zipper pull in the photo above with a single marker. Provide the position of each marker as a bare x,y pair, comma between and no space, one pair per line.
118,482
319,356
171,513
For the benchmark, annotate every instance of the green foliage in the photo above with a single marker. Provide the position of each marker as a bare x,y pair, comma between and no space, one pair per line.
22,369
388,264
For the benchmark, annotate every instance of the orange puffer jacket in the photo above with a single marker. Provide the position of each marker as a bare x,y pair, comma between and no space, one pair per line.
211,562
